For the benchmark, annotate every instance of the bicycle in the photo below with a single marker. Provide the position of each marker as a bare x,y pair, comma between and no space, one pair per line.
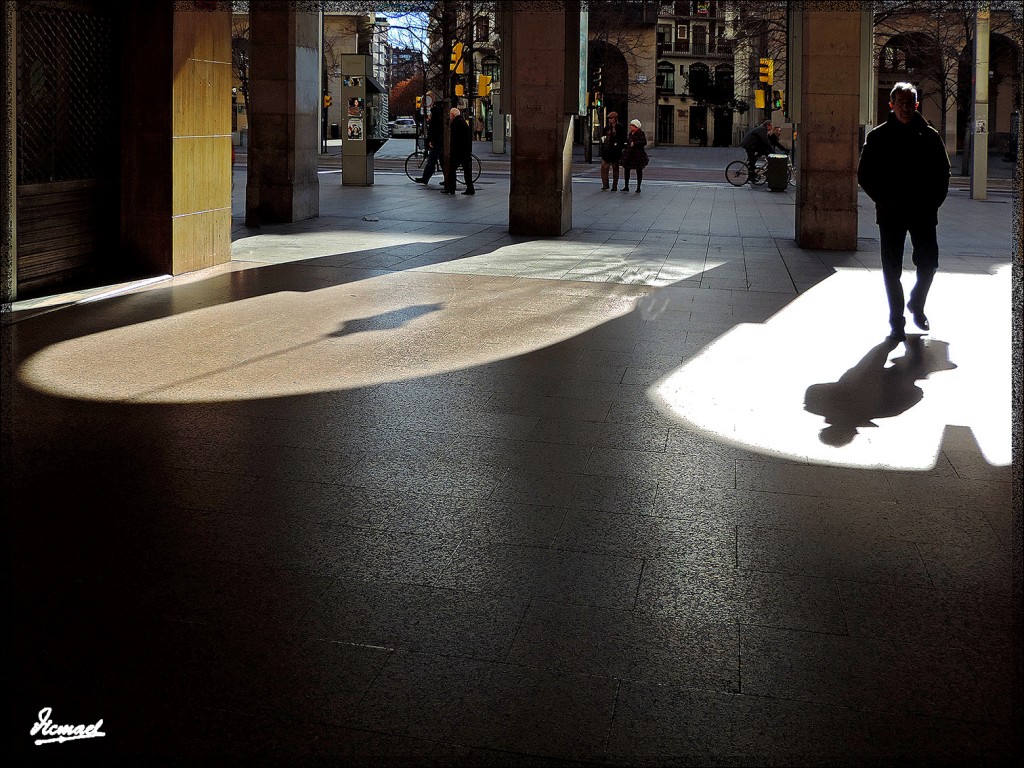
417,159
737,172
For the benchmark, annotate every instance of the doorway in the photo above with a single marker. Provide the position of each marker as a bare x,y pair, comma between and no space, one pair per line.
666,124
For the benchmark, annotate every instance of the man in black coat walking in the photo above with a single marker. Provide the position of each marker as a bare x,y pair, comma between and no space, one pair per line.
460,153
904,169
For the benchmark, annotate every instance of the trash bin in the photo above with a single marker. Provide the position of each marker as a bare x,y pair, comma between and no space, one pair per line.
335,131
778,172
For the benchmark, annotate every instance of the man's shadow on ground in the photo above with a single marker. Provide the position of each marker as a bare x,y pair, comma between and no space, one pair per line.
870,390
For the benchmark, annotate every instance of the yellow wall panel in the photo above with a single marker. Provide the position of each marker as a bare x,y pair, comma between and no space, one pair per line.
202,174
200,240
204,34
201,99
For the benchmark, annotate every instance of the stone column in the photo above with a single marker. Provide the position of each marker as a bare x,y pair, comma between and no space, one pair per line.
284,113
980,123
542,65
828,149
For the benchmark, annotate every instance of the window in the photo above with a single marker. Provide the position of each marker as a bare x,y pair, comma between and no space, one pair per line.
482,28
682,38
699,44
666,76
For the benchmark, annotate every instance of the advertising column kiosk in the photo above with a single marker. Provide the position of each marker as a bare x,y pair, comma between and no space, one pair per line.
364,127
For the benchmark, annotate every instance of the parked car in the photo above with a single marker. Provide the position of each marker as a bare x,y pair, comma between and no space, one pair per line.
403,126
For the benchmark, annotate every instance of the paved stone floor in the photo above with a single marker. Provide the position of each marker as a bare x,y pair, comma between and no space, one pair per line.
397,488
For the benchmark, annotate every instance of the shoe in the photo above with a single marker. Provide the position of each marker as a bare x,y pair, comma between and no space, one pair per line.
421,180
919,319
638,190
615,188
625,189
605,187
469,192
897,334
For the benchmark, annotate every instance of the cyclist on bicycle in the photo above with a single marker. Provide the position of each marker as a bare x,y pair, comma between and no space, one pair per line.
757,143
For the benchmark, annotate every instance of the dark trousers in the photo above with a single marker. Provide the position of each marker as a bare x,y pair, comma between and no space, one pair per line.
432,157
639,176
925,257
752,156
466,164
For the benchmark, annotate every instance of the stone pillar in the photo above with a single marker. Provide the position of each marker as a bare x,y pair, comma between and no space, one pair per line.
828,149
980,123
284,113
542,56
176,138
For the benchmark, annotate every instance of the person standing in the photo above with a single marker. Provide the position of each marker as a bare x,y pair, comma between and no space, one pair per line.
613,139
435,143
904,169
634,156
757,142
460,153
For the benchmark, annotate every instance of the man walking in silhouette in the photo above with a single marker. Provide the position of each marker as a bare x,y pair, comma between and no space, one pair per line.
904,169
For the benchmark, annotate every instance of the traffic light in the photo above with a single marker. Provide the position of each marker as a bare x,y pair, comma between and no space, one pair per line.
458,65
767,71
776,99
419,102
596,82
460,89
327,100
483,85
758,99
598,99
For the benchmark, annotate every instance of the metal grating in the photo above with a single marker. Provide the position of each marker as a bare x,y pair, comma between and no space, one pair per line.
66,116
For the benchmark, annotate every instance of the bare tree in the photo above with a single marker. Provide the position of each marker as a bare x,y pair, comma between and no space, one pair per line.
240,54
932,43
761,28
622,27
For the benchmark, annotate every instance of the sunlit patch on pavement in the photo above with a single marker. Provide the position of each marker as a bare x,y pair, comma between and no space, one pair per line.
819,382
285,342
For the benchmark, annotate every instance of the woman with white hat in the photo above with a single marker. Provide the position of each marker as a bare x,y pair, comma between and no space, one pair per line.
634,156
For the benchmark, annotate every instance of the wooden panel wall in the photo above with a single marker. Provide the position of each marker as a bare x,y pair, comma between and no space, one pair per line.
201,140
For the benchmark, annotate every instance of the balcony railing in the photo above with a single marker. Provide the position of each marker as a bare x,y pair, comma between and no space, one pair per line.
722,48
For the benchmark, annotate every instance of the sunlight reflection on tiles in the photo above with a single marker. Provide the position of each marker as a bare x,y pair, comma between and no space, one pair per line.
292,246
819,382
340,337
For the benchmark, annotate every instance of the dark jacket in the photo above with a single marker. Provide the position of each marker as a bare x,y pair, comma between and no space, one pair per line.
756,140
462,139
904,169
634,155
435,128
612,142
777,145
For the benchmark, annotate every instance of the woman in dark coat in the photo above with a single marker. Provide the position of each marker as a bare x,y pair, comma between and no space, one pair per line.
634,156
